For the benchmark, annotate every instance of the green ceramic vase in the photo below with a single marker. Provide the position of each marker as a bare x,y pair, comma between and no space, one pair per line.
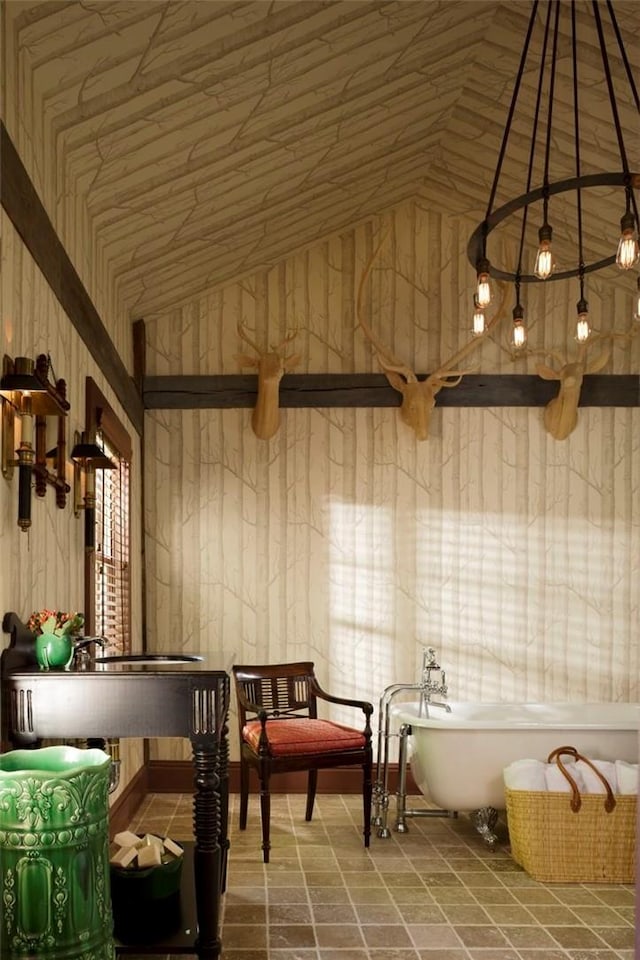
54,652
54,855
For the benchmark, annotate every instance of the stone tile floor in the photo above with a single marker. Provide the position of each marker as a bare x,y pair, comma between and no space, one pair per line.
436,893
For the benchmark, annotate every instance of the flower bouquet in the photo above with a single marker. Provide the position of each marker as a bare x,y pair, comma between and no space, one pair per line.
55,622
54,630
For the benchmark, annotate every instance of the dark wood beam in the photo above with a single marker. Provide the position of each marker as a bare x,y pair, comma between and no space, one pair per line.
373,390
139,353
25,210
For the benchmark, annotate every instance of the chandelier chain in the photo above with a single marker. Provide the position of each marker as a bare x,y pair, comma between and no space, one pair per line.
552,86
512,107
576,125
623,54
534,137
612,99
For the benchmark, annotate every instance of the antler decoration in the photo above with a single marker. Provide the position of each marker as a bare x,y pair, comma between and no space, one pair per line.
419,396
561,413
271,367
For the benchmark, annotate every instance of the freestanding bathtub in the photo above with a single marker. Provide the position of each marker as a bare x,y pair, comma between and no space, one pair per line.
457,758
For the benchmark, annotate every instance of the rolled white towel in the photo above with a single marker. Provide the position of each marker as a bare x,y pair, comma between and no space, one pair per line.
627,776
556,780
592,782
525,775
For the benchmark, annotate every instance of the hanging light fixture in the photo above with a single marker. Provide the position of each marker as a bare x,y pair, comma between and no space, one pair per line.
553,30
27,395
87,457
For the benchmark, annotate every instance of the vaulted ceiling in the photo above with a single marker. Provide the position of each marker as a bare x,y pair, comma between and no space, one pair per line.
204,140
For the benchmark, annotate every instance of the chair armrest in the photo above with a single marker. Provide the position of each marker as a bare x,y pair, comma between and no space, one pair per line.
364,705
262,716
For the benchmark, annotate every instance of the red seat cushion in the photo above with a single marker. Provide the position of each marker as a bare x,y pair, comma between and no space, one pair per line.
289,737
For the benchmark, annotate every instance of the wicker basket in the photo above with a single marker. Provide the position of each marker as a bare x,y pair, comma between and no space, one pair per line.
565,837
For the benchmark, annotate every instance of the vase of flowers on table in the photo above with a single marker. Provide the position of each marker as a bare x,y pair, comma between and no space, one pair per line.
54,632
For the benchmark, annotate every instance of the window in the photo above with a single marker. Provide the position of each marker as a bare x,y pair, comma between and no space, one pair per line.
108,566
112,552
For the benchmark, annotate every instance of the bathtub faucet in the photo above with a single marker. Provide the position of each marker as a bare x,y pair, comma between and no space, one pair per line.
429,686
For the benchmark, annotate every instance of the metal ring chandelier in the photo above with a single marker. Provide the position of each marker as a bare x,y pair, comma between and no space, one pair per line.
545,266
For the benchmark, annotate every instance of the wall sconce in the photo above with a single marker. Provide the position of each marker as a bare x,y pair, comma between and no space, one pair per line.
27,393
87,457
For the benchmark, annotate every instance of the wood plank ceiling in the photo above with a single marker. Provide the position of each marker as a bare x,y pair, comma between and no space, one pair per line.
205,140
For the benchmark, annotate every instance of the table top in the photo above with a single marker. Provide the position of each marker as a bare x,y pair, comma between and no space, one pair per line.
117,703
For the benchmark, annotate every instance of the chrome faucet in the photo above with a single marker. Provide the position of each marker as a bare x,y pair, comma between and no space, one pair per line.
84,651
428,687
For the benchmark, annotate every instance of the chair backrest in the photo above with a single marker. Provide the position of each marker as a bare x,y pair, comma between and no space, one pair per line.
282,690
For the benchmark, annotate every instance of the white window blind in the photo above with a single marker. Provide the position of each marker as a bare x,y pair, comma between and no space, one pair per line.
112,552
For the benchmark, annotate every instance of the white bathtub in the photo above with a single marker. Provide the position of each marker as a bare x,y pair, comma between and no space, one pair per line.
457,758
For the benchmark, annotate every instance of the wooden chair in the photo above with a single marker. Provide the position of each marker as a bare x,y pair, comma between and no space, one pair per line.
280,732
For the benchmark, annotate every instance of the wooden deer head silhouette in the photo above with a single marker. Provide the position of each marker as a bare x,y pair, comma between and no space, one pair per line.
561,413
271,367
419,396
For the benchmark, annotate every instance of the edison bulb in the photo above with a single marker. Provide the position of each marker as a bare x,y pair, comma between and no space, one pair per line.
583,329
483,289
478,321
628,251
545,264
518,335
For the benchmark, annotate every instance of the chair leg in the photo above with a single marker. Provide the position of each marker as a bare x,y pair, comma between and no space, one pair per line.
265,814
244,793
312,784
367,793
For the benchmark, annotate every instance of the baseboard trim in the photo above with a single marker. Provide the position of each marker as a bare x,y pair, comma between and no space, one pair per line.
177,776
125,807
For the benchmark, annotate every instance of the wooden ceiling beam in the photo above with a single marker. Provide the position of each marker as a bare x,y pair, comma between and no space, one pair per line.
24,208
373,390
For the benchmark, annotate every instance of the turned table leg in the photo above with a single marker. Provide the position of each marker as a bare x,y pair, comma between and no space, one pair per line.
207,857
210,705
